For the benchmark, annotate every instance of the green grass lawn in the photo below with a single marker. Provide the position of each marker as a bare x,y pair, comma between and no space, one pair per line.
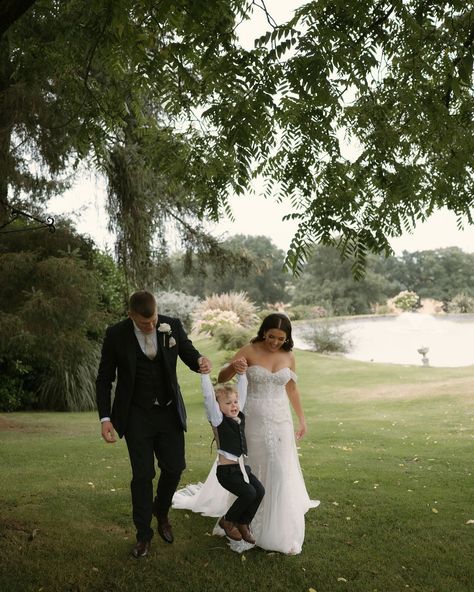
389,453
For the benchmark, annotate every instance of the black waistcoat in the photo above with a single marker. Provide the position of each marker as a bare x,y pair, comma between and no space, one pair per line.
150,381
232,435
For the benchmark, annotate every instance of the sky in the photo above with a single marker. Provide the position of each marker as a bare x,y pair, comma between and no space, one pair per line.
255,215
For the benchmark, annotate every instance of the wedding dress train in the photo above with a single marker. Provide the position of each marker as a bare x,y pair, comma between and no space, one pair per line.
279,524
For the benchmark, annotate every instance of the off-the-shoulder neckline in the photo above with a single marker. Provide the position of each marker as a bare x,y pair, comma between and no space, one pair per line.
271,371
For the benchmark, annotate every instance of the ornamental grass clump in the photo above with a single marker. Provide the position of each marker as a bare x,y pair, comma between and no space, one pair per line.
212,320
233,309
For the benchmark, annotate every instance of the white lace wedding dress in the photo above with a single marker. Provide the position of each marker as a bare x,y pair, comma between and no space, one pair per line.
279,524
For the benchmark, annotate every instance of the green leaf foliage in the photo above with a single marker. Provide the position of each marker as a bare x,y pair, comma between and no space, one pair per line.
391,79
360,113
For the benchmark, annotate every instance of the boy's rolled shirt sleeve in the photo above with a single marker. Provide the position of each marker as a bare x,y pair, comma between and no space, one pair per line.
214,414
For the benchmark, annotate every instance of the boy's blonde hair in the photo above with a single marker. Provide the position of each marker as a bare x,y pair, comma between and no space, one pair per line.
225,390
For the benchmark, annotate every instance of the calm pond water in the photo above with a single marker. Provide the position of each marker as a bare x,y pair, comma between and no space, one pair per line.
450,339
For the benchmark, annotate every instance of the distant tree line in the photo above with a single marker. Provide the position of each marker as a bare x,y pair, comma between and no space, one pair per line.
327,280
263,278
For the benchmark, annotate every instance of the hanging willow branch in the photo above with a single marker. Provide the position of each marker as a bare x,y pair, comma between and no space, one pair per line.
132,214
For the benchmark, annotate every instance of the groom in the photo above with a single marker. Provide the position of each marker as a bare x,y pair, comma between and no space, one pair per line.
148,408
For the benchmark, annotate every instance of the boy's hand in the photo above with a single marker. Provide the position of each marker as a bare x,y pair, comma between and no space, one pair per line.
205,365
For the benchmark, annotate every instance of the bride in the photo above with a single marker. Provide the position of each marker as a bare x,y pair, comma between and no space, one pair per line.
279,524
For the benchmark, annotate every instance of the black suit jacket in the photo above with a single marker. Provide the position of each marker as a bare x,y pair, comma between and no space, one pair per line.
118,361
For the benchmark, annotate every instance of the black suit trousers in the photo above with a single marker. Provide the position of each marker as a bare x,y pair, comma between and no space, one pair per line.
249,495
153,433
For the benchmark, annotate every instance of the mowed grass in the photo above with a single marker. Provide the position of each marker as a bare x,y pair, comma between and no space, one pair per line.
389,453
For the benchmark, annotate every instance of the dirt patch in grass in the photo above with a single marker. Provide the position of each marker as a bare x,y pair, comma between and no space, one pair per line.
7,424
11,425
15,526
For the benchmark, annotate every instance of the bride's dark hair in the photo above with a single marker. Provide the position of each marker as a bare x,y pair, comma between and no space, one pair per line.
276,320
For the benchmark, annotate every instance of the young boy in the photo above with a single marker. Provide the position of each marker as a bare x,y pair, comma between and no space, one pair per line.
223,411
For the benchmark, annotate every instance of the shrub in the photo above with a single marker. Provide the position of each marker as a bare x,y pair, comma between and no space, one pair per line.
301,312
178,304
327,338
233,308
233,338
111,285
278,307
462,303
57,295
264,312
406,300
50,319
13,395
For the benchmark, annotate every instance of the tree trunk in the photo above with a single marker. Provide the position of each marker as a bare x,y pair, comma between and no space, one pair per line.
5,128
11,11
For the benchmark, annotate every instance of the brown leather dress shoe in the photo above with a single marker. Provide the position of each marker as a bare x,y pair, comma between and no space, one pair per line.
245,532
141,549
230,529
164,529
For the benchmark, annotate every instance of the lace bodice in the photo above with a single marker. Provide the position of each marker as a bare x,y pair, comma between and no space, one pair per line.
261,379
266,395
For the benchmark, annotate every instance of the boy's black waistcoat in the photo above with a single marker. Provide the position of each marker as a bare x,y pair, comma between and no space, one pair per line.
232,435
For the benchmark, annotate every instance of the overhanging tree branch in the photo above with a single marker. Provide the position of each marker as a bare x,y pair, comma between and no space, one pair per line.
16,213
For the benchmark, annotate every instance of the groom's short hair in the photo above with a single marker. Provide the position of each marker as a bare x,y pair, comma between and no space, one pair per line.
143,303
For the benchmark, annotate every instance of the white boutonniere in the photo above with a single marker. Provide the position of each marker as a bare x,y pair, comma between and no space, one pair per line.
166,330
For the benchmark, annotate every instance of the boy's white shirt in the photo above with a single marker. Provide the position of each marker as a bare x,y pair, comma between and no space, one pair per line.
214,414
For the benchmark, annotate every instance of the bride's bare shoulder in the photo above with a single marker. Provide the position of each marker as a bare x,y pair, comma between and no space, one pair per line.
250,351
244,352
